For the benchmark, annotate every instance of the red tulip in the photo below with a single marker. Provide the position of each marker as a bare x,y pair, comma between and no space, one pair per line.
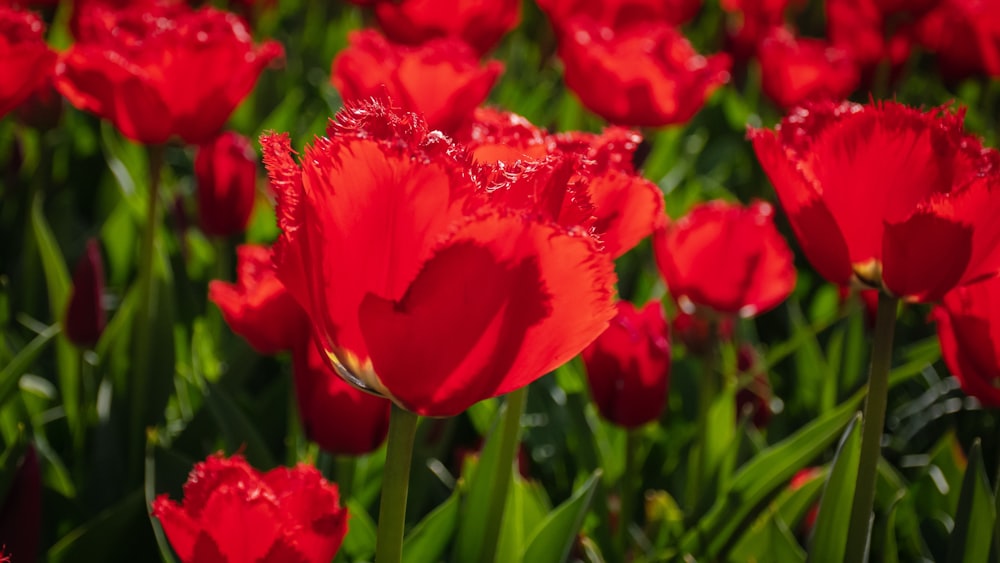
161,72
870,35
21,512
423,288
26,61
628,366
726,257
618,14
887,195
622,207
85,316
226,172
442,79
754,20
965,35
340,418
257,306
795,69
479,23
969,331
232,513
644,75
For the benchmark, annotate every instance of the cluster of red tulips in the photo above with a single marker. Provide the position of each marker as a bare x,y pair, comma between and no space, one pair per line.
375,216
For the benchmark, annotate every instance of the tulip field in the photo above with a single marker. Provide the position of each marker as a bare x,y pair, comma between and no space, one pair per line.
499,281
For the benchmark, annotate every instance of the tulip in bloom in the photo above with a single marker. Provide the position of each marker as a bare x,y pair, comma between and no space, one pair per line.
618,14
873,32
479,23
753,21
442,79
342,419
625,207
257,306
628,366
26,62
886,195
965,35
226,173
795,69
726,257
643,75
968,322
85,316
232,513
164,71
422,287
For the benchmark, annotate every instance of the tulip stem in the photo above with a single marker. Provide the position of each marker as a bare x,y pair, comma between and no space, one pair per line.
142,344
510,428
708,388
395,483
627,505
859,529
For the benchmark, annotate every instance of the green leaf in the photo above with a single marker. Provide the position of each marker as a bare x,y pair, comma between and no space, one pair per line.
773,542
427,541
109,536
829,538
237,429
361,533
758,480
58,283
526,508
976,513
12,372
890,550
554,537
480,485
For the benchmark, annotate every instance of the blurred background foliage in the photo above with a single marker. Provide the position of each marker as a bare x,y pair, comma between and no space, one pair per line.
103,455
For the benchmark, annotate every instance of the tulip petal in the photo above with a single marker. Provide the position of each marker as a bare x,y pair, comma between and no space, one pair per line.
500,304
814,225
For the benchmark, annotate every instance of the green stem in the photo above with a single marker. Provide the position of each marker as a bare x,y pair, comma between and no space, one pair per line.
871,434
345,468
395,483
139,378
632,439
510,428
708,388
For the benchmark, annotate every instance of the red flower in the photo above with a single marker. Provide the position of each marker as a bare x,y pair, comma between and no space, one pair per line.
754,20
965,35
165,71
26,61
85,317
795,69
257,306
969,330
726,257
886,195
441,79
479,23
424,289
226,171
628,366
618,14
340,418
869,33
646,75
21,512
232,513
623,207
